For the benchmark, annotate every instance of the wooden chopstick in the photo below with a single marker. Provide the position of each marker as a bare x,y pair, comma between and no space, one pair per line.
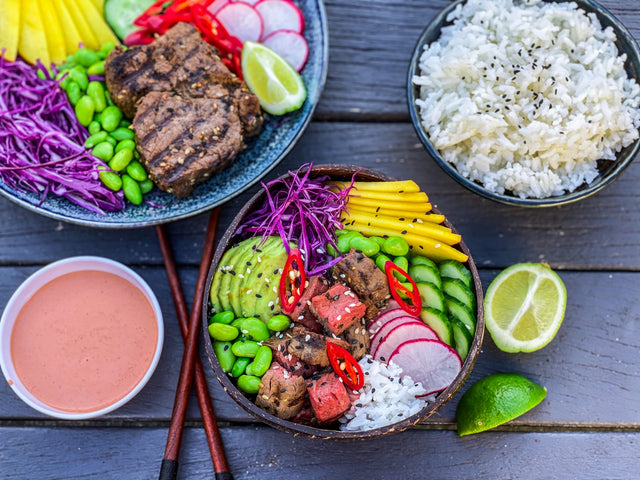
191,365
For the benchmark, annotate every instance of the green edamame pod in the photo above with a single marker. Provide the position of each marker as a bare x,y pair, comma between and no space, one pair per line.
243,348
96,91
103,150
111,180
129,144
249,384
131,190
135,170
73,92
225,356
262,361
95,139
365,245
240,366
146,186
84,110
85,57
225,317
222,332
78,75
254,329
120,160
111,117
122,133
395,246
94,127
97,68
278,323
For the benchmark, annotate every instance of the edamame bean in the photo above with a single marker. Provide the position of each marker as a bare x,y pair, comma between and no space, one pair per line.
222,332
131,190
41,74
128,144
84,110
107,47
403,263
225,356
111,117
96,91
135,170
122,133
365,245
278,323
381,260
254,329
343,243
243,348
249,369
395,246
94,127
378,240
73,92
108,98
225,317
112,141
103,150
146,186
332,251
95,139
120,160
111,180
240,366
85,57
97,68
249,384
262,361
78,75
124,123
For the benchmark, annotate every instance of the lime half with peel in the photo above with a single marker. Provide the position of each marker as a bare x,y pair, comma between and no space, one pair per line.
495,400
277,85
524,307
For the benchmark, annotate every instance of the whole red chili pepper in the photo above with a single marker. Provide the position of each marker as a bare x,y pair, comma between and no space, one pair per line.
396,287
293,273
345,366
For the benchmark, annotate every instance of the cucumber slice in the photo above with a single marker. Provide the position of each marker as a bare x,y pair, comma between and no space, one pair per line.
439,323
458,290
455,308
462,338
425,273
420,260
120,14
431,296
455,269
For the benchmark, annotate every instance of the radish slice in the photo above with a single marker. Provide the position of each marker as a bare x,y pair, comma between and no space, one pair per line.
250,2
385,317
279,15
430,362
400,334
217,5
387,327
290,45
241,20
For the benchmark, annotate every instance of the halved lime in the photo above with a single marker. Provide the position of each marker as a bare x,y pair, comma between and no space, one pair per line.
524,307
495,400
277,85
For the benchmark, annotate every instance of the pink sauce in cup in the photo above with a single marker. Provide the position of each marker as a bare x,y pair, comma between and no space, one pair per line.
84,340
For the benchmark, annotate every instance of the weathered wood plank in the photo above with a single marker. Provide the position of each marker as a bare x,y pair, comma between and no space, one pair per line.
600,232
594,356
260,452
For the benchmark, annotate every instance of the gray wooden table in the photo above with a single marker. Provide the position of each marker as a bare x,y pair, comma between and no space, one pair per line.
587,427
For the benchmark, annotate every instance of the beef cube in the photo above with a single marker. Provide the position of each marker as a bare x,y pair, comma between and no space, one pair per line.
363,276
337,309
305,416
301,313
328,396
281,393
357,336
292,363
311,347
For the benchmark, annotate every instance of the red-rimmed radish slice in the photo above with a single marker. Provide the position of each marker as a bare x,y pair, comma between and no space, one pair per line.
385,317
387,327
216,5
279,15
290,45
400,334
250,2
241,20
432,363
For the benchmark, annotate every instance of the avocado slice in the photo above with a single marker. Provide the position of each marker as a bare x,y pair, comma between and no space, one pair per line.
268,304
229,279
220,274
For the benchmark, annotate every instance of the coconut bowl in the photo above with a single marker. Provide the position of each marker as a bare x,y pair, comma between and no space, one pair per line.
336,172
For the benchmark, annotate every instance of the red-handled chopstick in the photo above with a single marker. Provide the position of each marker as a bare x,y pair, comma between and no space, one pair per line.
191,365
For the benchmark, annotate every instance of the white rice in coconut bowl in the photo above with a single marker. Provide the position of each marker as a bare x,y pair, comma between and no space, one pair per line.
526,97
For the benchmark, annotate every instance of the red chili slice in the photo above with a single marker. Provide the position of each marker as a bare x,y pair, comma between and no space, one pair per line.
293,274
345,366
396,287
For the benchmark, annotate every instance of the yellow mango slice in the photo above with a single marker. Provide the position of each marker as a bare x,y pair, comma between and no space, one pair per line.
9,28
71,35
407,186
53,32
390,196
33,41
83,28
94,18
99,4
369,203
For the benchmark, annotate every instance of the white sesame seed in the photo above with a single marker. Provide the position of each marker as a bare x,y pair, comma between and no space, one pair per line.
346,309
307,338
240,275
249,292
301,317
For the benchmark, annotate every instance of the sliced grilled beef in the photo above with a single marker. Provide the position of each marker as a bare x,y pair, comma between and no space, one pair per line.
357,336
311,347
301,313
281,393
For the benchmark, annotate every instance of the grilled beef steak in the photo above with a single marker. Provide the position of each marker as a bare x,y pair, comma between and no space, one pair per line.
191,114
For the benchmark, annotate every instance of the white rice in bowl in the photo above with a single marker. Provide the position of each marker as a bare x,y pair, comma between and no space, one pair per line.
387,397
526,96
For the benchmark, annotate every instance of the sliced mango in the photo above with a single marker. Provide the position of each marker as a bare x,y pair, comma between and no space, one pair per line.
408,186
390,196
84,29
99,4
71,35
94,18
372,203
9,28
53,31
33,41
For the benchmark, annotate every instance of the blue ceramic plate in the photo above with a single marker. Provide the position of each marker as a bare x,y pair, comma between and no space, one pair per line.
263,153
609,171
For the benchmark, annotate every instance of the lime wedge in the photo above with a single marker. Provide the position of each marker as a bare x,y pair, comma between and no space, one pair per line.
277,85
524,307
495,400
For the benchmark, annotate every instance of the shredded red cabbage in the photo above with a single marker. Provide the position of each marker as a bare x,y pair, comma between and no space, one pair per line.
302,210
42,144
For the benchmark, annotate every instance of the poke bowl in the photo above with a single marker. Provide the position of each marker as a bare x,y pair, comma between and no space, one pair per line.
301,342
510,114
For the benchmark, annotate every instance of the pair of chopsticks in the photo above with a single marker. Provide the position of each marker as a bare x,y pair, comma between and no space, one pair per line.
191,369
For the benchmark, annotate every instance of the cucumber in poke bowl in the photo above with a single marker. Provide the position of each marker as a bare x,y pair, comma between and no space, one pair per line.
342,304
